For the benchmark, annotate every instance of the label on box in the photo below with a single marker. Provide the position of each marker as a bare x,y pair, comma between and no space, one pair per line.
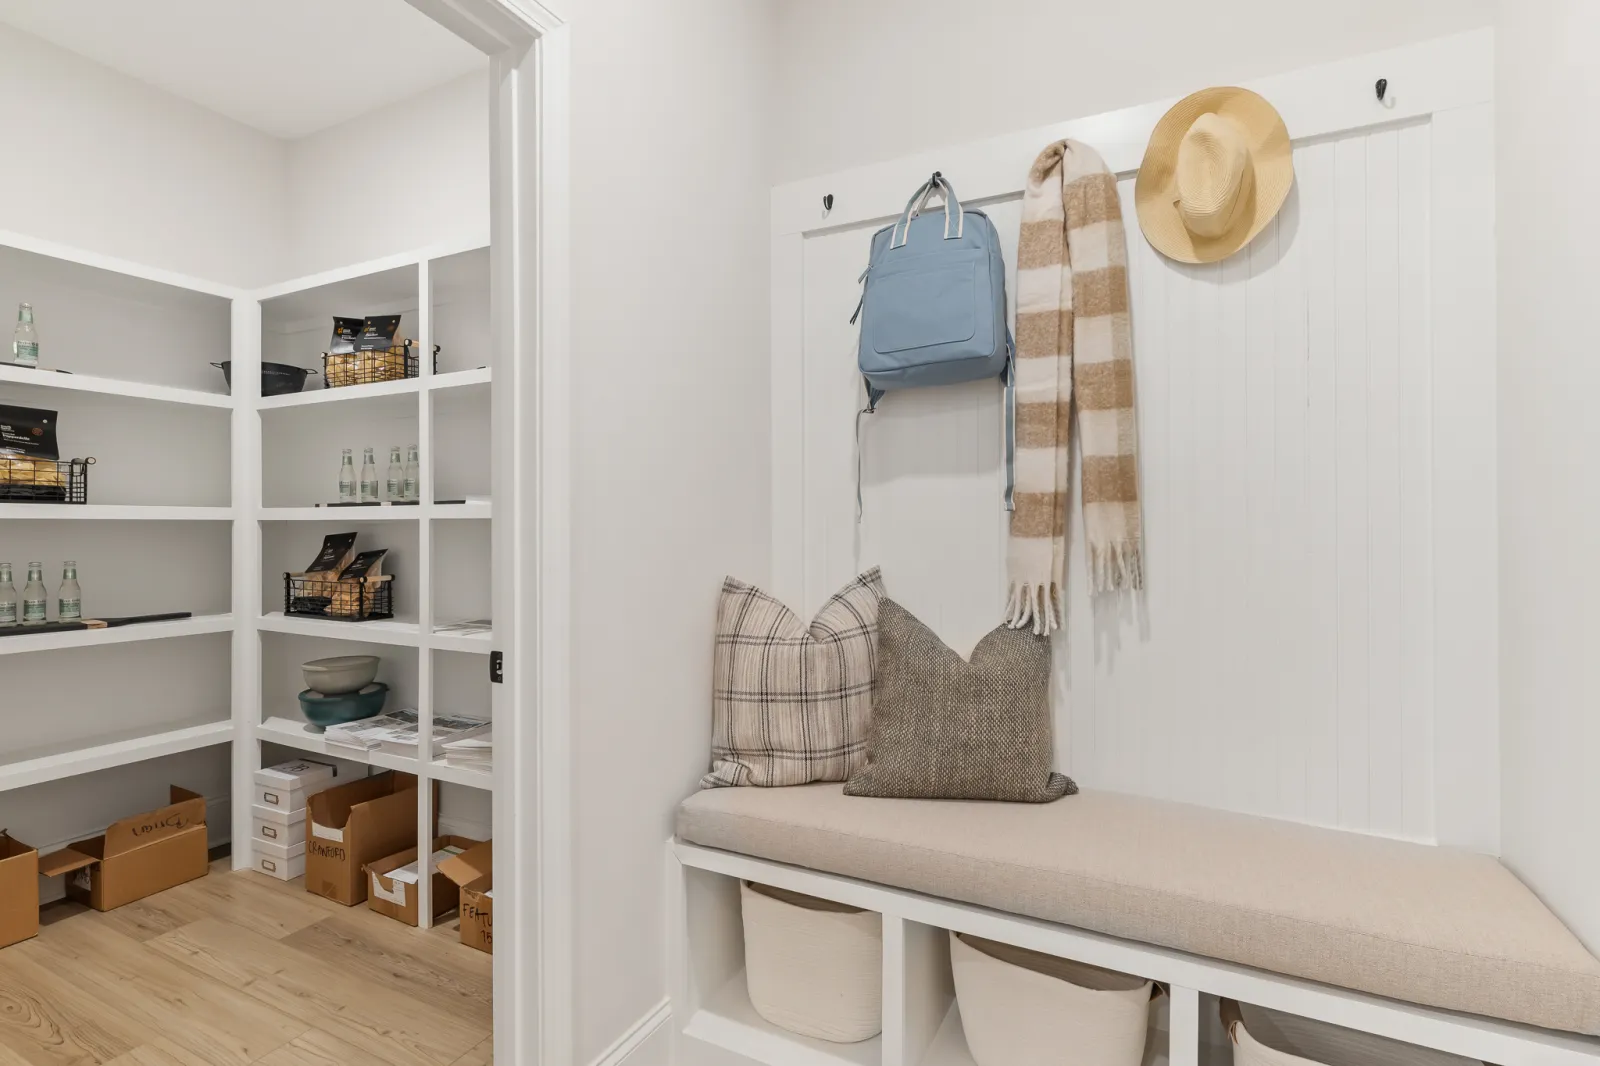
325,833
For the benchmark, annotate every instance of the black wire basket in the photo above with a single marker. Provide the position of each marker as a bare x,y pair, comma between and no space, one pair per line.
343,369
356,600
25,480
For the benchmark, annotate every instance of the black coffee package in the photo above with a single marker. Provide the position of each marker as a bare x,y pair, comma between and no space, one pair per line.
28,431
345,332
365,565
378,333
337,551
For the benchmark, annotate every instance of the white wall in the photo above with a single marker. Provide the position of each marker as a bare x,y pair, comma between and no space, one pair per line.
671,122
100,161
1547,88
430,185
861,81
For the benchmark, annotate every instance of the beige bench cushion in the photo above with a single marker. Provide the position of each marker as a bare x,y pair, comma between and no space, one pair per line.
1435,926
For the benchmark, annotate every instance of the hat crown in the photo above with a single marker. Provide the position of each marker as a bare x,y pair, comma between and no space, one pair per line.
1214,176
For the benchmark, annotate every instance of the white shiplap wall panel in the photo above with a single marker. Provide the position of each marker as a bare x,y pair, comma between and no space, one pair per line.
1281,660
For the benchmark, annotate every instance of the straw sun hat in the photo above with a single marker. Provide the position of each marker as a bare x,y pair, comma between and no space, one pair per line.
1217,168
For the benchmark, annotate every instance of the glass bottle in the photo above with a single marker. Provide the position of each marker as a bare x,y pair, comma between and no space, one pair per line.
413,489
347,478
395,479
8,598
369,478
25,339
69,602
35,600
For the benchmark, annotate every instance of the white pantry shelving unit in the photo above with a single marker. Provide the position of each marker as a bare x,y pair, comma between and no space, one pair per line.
201,499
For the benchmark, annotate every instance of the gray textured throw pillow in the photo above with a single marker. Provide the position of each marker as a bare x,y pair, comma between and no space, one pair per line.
946,728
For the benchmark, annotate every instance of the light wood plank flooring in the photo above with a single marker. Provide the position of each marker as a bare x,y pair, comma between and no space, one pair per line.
237,968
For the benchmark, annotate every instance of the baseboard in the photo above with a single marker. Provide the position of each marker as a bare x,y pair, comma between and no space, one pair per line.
641,1031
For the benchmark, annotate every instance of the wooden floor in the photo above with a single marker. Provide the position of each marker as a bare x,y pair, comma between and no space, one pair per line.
237,968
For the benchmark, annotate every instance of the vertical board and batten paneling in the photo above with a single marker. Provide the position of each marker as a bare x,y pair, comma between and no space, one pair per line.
1293,649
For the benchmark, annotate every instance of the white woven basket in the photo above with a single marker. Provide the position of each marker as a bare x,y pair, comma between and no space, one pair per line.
1262,1037
1023,1008
814,967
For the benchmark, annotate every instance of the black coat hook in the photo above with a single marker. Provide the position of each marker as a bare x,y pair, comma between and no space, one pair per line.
827,202
1382,88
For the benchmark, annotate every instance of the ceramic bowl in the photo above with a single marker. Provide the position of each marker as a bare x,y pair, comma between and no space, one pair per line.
322,711
340,675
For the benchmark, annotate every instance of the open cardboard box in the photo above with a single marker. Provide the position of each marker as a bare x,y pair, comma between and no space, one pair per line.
397,898
473,872
136,857
354,825
19,890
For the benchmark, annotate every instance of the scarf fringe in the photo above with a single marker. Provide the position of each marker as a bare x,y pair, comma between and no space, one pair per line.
1038,606
1113,567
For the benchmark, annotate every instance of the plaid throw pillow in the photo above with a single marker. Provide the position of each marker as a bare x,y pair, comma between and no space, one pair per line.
790,703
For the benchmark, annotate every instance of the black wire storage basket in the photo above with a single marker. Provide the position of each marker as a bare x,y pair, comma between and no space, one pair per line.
26,480
356,600
343,369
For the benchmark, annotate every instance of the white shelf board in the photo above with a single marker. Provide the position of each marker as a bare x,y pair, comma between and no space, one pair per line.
381,513
457,511
132,634
456,775
349,392
401,634
730,1022
458,379
49,379
295,733
25,768
471,643
102,512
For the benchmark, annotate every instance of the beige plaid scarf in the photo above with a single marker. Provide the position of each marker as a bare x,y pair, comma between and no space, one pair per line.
1073,332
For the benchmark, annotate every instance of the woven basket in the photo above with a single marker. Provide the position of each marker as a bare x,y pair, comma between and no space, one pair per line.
365,368
1025,1008
813,967
21,470
1262,1037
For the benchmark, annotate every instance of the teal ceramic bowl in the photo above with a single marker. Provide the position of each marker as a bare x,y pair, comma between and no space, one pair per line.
322,711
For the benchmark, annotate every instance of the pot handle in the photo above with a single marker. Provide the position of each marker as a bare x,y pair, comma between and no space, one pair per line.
312,372
217,365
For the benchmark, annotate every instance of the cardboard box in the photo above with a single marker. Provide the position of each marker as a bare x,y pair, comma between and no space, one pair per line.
19,890
473,871
138,856
277,827
287,786
282,861
396,897
356,824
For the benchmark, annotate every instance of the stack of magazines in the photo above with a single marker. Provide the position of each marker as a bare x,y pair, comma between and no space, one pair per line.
398,732
472,753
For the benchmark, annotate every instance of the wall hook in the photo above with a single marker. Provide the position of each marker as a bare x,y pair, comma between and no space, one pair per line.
1382,89
827,202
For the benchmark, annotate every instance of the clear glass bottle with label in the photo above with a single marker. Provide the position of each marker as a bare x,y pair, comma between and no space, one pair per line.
413,487
394,483
347,478
69,602
35,600
25,339
9,604
369,478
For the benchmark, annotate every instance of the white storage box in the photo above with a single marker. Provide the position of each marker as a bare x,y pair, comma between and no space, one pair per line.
285,862
287,786
813,967
1261,1037
1022,1008
276,826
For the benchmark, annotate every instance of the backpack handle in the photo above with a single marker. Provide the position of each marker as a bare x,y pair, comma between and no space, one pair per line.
954,216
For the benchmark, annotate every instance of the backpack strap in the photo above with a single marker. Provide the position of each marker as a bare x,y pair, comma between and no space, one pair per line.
954,214
1010,378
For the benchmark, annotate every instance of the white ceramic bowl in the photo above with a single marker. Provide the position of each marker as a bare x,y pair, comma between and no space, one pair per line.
341,674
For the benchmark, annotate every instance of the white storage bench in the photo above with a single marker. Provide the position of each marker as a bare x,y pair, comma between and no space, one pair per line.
1435,947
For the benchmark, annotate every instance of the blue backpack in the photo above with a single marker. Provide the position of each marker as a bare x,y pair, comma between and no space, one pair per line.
933,306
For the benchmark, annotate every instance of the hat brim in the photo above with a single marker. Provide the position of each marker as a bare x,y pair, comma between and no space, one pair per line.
1156,190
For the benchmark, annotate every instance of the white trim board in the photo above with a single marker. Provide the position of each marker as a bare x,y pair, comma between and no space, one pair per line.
1317,101
916,914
